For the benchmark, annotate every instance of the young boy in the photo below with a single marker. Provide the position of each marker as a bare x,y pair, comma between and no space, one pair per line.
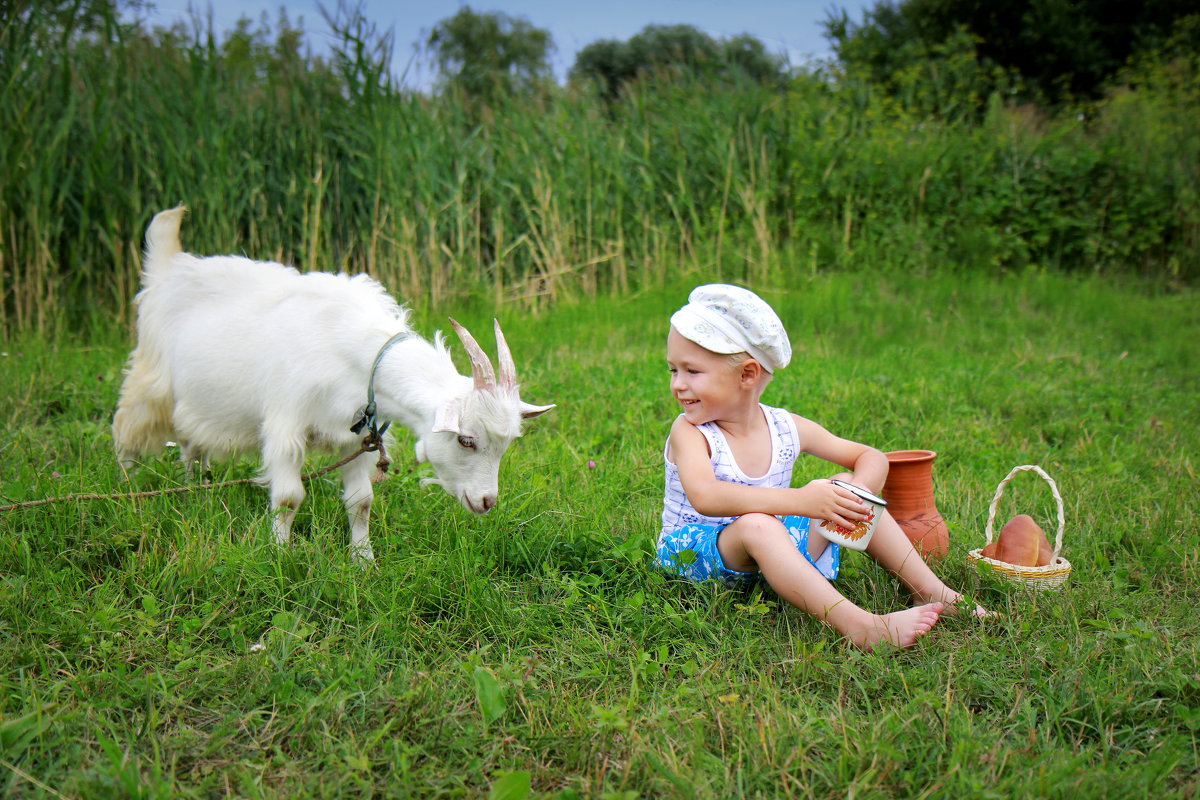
729,512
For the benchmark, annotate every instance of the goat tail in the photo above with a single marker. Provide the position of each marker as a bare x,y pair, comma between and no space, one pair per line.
162,239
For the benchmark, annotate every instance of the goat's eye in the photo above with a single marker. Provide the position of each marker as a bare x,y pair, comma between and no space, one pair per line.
467,442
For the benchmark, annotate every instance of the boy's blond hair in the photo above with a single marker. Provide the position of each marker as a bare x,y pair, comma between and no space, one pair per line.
736,360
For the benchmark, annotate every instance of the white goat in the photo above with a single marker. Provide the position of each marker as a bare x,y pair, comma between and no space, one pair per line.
234,354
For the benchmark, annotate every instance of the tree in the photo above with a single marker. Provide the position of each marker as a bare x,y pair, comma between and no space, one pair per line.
490,55
683,48
604,62
676,51
748,54
1058,49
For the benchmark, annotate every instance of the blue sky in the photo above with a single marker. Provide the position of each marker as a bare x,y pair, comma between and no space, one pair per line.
784,26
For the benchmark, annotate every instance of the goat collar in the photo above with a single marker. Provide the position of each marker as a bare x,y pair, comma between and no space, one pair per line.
365,416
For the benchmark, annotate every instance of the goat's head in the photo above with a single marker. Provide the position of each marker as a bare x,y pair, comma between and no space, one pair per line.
472,431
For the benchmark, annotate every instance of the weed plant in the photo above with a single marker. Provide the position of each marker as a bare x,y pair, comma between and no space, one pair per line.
166,648
329,164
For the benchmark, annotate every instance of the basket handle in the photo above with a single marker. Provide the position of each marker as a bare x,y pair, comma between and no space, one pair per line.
1058,539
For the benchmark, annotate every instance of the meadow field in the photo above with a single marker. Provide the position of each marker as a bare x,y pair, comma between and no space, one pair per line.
999,283
163,647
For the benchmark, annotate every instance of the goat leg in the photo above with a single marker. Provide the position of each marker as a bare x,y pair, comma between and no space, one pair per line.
282,462
357,495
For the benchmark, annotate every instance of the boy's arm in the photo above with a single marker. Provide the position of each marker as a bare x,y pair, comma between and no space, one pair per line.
819,499
869,467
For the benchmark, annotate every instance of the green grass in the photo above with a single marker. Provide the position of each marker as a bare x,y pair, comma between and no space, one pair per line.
165,648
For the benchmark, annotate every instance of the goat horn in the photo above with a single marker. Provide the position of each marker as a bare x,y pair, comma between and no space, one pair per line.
504,361
481,367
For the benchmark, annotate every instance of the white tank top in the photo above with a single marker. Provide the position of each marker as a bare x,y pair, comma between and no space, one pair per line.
677,511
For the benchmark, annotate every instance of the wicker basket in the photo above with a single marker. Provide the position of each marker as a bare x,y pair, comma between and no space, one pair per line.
1051,576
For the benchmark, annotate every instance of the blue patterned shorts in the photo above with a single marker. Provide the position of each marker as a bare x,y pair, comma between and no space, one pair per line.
691,552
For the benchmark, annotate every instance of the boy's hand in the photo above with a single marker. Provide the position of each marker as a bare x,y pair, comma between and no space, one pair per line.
821,499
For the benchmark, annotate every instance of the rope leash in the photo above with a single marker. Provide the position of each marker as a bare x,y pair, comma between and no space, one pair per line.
372,442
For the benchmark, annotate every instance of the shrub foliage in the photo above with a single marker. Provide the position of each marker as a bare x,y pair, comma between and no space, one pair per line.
330,163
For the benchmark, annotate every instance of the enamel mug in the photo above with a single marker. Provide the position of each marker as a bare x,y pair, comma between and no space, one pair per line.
857,537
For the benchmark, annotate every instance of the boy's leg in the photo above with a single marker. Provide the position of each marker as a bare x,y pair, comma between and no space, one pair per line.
892,549
760,541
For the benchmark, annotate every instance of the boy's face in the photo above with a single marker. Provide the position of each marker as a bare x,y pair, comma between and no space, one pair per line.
703,382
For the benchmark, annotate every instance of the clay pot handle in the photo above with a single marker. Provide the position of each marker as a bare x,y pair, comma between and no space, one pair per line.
1058,539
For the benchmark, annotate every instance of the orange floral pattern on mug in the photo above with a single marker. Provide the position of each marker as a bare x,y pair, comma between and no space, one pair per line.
859,531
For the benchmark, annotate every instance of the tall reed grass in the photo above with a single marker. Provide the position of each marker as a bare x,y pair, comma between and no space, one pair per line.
329,164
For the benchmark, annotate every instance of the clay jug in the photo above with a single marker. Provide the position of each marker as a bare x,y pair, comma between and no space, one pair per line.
909,495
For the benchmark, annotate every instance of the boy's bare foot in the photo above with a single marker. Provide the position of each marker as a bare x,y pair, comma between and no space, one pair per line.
959,604
900,628
978,612
956,603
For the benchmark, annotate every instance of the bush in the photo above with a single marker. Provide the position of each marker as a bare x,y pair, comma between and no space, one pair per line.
330,165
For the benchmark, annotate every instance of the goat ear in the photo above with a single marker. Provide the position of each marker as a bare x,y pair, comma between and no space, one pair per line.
446,418
528,411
